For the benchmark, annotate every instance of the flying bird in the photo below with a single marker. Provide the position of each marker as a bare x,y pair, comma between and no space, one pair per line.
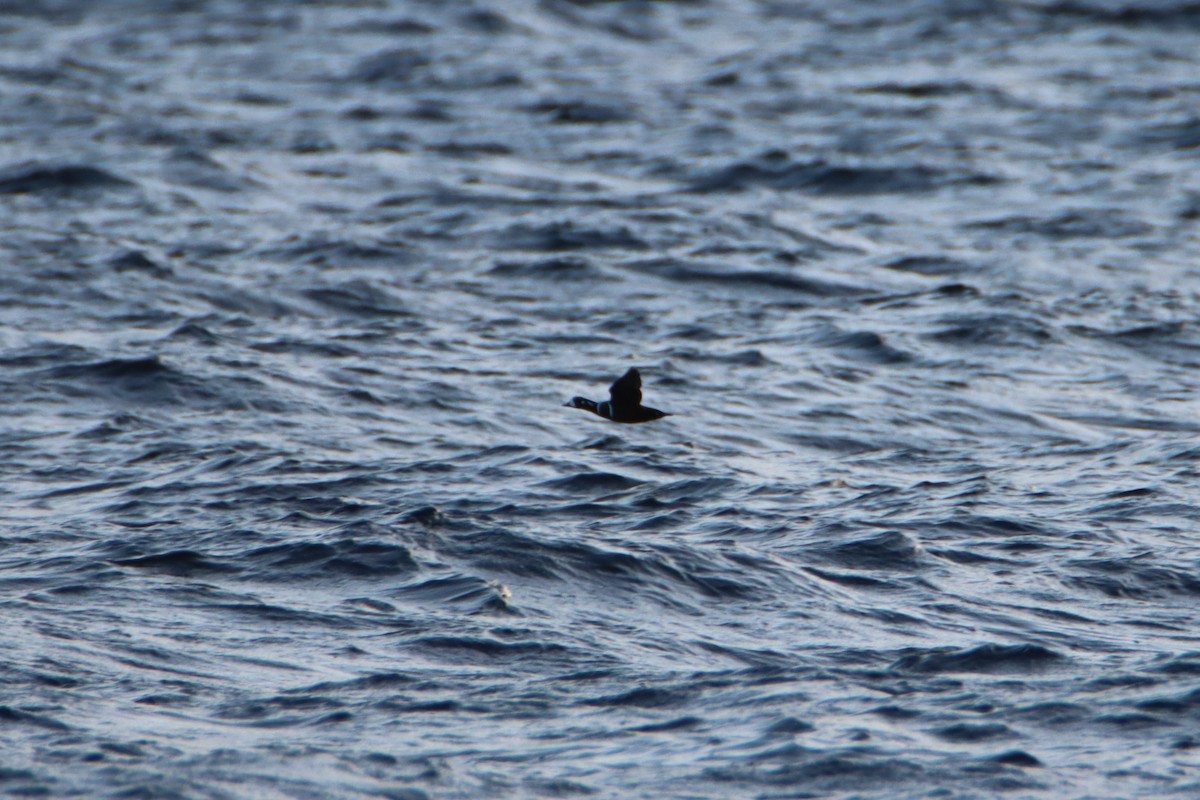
624,403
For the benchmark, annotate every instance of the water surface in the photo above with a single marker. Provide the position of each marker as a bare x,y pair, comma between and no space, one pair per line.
293,293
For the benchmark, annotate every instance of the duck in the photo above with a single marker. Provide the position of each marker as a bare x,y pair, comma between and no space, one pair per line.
624,403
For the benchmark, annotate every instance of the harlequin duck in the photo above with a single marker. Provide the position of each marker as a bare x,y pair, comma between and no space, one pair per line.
624,403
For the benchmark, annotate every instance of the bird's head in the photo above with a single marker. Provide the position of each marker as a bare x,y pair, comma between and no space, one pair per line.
581,402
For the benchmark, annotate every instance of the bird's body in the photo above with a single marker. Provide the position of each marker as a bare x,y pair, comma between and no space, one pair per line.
624,403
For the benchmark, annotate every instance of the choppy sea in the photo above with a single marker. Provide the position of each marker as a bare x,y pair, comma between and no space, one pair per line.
292,293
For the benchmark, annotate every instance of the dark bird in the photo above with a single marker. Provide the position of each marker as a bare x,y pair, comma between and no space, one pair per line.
624,403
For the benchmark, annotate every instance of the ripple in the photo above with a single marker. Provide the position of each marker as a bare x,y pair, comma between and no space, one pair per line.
776,172
67,179
175,562
292,561
984,658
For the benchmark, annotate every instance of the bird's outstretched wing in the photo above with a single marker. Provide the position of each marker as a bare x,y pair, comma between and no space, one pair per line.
626,391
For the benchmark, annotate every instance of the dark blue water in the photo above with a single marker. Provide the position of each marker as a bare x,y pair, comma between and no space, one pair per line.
292,295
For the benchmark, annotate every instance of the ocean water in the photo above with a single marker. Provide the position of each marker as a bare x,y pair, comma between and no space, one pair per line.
292,295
